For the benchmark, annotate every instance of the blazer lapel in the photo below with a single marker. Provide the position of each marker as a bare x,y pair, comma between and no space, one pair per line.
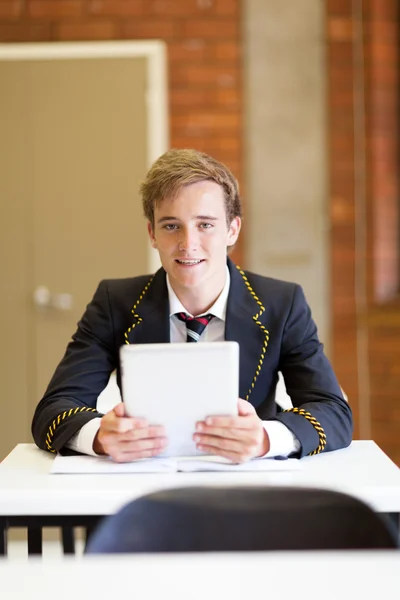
241,327
151,317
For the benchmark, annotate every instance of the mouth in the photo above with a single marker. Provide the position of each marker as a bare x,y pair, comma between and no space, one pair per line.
189,262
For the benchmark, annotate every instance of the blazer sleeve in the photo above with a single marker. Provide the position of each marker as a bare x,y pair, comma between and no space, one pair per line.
321,419
70,399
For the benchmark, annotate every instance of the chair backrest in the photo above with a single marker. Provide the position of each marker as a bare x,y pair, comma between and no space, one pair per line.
196,519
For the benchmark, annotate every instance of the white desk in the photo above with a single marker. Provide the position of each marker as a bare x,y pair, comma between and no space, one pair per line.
281,576
28,490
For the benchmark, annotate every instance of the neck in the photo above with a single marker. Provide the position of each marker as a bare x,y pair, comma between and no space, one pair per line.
197,301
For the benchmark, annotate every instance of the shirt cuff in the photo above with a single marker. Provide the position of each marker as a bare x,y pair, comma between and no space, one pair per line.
282,441
83,440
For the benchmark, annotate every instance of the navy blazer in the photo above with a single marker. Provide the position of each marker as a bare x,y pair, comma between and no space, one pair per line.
269,318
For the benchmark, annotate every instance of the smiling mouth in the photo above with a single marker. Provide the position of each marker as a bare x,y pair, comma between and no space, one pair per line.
189,262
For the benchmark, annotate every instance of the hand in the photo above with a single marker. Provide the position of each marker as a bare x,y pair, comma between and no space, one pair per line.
236,438
127,438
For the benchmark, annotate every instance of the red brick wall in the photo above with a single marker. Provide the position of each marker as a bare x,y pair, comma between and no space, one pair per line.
341,163
363,77
204,57
382,31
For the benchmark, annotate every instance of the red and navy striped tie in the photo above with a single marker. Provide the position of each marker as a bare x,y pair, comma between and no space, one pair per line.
194,325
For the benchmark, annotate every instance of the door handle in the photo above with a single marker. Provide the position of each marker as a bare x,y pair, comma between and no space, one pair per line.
44,299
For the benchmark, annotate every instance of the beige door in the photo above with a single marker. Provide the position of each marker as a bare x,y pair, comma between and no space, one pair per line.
73,150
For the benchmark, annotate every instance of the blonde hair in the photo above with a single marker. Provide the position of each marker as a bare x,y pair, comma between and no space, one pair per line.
178,168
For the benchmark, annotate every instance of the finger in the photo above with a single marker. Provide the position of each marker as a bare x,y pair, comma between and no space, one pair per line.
115,438
111,423
226,444
142,445
116,425
233,433
130,424
154,431
245,408
232,456
241,422
119,410
124,457
137,447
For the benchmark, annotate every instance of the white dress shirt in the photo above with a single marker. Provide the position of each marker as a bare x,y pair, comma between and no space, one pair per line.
282,441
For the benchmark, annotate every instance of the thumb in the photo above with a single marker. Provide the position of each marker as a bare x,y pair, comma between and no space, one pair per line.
119,410
245,408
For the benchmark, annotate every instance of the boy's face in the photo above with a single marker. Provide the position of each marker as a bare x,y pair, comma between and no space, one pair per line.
191,235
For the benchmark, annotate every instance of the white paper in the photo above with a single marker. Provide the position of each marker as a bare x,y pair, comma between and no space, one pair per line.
103,464
83,464
214,463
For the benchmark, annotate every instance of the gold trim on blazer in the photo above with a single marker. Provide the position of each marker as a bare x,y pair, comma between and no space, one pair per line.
317,426
256,319
61,417
133,311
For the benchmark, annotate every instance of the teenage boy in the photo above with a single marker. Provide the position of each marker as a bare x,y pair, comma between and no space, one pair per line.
192,206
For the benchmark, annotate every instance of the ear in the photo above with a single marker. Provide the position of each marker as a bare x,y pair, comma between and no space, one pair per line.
150,231
233,231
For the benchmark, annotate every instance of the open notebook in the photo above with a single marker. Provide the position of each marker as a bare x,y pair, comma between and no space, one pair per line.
103,464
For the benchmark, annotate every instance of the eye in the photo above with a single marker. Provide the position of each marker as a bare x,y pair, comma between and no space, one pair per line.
206,225
170,227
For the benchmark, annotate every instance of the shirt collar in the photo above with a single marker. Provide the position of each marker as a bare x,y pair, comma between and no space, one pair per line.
218,309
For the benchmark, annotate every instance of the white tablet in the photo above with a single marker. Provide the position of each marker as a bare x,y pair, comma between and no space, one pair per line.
176,385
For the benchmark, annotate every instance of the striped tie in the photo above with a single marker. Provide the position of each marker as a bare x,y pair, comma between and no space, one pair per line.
194,325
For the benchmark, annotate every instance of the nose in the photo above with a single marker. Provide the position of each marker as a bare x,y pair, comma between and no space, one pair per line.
188,240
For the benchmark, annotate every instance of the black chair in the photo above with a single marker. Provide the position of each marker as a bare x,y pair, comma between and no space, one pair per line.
207,519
